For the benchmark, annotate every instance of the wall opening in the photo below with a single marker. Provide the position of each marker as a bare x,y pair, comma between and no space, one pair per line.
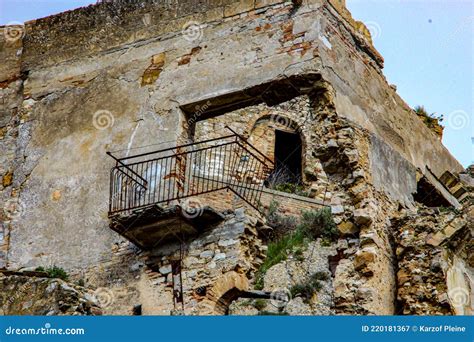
272,117
223,303
271,93
427,194
288,158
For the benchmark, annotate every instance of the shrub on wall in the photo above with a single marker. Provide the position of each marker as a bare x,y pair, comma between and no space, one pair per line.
54,272
290,237
307,289
318,224
281,225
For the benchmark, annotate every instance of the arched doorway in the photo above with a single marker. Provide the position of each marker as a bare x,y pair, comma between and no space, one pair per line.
225,290
279,138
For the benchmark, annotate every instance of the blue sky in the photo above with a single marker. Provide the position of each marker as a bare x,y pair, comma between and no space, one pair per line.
23,10
428,49
428,46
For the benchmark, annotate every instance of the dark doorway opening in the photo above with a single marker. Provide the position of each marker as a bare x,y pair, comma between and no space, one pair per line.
428,195
288,160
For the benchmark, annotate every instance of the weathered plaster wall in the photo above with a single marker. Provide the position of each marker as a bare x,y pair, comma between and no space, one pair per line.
277,41
10,137
134,63
392,173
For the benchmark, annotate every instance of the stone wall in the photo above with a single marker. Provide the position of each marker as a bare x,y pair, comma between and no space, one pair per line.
10,138
290,204
258,124
223,253
128,74
435,272
24,294
281,277
73,111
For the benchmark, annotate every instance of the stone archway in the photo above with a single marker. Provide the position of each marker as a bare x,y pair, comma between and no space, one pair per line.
280,137
279,120
226,289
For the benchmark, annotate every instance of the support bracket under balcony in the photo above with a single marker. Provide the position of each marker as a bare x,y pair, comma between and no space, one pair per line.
153,226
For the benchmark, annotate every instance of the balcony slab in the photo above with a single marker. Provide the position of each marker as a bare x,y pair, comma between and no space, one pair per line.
155,225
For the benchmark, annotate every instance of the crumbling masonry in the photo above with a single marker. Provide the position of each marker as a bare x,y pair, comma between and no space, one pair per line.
135,77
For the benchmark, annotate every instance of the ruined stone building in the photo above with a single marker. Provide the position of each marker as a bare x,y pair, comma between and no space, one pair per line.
158,151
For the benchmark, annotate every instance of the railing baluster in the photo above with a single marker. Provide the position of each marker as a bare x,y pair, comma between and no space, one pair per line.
187,186
173,178
154,168
158,182
126,200
187,170
132,193
201,170
208,169
166,181
223,165
213,166
142,194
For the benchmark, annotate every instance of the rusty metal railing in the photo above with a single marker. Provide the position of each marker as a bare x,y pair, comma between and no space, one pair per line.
162,176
